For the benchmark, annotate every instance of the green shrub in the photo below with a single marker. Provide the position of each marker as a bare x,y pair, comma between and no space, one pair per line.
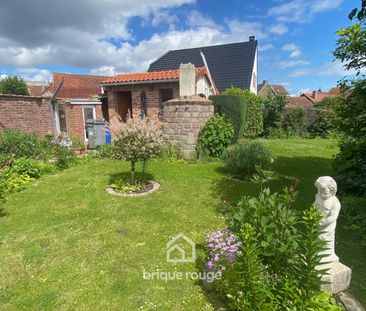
24,166
353,216
275,106
274,267
350,163
243,160
105,151
324,124
13,85
171,153
233,107
254,117
214,137
295,121
15,182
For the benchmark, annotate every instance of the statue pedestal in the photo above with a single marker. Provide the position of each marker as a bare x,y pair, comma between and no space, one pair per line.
338,277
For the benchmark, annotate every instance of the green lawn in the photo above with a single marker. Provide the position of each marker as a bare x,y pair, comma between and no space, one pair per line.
67,244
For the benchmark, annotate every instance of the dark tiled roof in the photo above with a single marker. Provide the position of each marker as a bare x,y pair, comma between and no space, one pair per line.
229,64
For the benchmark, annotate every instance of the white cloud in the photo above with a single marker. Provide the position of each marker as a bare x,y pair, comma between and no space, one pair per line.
279,29
34,74
331,69
301,11
294,50
164,17
266,47
197,19
3,76
292,63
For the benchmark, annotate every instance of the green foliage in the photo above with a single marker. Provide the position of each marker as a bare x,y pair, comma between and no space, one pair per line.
323,301
242,160
171,153
14,144
276,268
351,46
308,255
254,104
324,124
350,163
214,137
15,182
234,108
353,216
105,151
24,166
275,106
76,143
295,121
248,276
13,85
128,186
64,156
138,139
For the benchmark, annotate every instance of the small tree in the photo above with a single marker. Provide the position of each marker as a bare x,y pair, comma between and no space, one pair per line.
138,139
13,85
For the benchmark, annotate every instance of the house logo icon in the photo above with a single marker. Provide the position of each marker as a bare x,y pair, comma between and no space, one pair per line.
180,249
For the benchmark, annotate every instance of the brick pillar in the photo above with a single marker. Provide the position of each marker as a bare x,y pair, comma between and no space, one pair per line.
183,120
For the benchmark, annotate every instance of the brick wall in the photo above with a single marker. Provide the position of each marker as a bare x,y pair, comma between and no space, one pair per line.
75,120
26,113
183,120
152,98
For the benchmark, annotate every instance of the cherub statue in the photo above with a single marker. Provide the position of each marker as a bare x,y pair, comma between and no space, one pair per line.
329,206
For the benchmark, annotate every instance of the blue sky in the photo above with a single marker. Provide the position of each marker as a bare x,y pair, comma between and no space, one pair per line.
111,36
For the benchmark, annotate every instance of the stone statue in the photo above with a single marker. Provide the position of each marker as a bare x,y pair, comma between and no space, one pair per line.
338,275
329,206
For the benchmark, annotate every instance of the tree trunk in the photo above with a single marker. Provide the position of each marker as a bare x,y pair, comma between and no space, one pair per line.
133,172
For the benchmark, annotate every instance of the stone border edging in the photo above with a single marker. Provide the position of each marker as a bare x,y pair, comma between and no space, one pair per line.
155,184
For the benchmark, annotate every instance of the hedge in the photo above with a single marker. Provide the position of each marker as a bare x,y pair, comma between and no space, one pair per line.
233,107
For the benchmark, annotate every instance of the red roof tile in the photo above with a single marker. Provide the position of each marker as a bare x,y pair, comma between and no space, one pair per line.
150,76
76,86
298,102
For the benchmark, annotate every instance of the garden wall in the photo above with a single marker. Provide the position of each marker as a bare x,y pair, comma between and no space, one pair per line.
26,113
183,120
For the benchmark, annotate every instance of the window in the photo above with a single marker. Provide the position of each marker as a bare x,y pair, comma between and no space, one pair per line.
88,113
60,116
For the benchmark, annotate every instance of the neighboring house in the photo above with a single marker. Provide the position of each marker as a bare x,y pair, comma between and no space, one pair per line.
63,107
265,89
77,101
37,88
318,96
298,102
143,93
234,64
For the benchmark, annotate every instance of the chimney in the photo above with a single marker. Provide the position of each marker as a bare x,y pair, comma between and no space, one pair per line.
187,80
265,82
251,38
314,94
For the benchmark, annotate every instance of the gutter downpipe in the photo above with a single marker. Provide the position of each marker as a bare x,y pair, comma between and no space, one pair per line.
51,103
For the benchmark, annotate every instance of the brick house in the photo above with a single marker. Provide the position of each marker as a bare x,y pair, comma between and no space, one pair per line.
318,96
63,106
144,93
76,101
265,89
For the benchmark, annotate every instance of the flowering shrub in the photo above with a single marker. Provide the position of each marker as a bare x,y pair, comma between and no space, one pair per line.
137,139
223,249
265,261
62,151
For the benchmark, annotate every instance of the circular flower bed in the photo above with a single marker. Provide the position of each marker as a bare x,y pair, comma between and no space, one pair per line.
148,187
